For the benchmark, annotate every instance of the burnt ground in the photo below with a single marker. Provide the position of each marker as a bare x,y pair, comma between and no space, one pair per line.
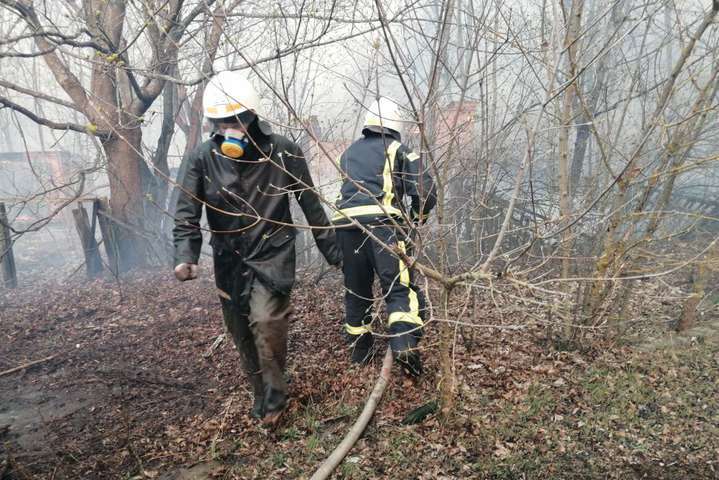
129,394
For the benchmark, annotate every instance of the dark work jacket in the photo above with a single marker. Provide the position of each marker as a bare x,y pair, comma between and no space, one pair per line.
388,170
247,205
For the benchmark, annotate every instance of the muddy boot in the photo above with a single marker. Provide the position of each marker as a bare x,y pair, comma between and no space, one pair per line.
361,347
258,390
404,340
258,408
410,362
275,403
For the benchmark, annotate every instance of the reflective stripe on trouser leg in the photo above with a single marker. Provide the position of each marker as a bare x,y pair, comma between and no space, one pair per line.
357,330
397,312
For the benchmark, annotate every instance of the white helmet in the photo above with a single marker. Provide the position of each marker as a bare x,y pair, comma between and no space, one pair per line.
384,113
229,93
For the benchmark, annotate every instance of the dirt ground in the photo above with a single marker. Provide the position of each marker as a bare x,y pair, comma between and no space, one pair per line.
128,394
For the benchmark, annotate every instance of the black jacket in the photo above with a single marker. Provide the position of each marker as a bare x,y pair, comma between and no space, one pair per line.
247,206
388,170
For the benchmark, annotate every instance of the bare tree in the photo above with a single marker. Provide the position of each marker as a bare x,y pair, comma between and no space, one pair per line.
101,66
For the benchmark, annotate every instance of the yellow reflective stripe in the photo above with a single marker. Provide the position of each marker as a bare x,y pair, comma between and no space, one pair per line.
212,109
404,317
357,330
413,315
365,210
411,156
387,186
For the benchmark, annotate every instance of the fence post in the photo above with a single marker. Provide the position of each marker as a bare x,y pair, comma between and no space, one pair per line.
7,259
102,207
93,262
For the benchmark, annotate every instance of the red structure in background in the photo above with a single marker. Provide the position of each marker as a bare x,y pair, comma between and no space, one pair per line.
323,155
466,115
463,132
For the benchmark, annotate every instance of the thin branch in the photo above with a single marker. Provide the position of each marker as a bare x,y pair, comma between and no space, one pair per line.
52,124
41,96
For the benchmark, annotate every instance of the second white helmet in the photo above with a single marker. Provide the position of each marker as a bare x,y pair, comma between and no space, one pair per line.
229,93
385,113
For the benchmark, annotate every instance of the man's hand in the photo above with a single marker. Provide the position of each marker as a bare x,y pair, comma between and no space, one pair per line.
186,271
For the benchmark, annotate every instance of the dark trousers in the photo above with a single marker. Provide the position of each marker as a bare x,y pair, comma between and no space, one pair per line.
363,258
258,320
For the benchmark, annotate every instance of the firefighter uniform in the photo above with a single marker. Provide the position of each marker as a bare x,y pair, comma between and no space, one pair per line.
379,171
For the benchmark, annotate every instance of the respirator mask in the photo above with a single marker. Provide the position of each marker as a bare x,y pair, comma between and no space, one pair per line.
235,142
234,133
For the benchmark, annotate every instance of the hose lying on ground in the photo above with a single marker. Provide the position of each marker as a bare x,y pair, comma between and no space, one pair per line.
339,453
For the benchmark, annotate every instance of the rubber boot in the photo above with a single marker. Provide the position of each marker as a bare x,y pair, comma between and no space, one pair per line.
258,390
361,347
275,403
403,341
258,408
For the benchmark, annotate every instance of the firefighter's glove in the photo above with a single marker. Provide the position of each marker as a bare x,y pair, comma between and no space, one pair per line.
186,271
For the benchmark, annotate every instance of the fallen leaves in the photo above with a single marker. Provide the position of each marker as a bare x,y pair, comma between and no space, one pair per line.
154,404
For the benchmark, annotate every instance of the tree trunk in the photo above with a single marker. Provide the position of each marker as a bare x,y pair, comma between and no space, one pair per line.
123,152
600,80
448,384
614,246
7,259
157,207
574,23
689,311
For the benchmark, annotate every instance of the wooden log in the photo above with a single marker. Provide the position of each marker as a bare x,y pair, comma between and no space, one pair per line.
7,258
109,238
93,262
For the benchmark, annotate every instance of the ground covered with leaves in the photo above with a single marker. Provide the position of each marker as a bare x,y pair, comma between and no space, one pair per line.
127,390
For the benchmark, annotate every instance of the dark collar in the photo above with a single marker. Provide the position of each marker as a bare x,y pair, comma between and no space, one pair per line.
380,132
260,133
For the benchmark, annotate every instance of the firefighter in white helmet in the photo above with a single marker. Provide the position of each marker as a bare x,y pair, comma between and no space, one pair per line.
379,171
243,176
